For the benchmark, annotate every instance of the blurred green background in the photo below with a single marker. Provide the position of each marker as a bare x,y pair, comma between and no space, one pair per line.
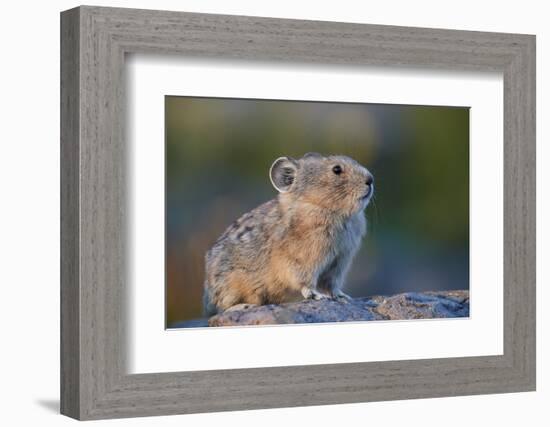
218,154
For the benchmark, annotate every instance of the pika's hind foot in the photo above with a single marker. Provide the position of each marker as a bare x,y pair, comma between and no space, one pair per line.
238,307
314,294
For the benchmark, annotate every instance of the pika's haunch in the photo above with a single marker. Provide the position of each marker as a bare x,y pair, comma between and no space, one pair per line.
299,244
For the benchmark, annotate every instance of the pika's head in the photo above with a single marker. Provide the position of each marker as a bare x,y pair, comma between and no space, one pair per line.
337,183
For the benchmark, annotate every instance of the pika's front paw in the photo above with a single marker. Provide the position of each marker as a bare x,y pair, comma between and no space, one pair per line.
309,293
339,295
319,296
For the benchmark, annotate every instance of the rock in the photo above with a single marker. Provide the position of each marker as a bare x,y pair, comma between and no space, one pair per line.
426,305
410,305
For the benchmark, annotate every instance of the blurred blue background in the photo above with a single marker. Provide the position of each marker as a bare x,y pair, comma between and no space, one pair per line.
218,154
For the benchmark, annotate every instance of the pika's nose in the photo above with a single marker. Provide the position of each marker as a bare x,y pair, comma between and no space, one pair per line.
370,179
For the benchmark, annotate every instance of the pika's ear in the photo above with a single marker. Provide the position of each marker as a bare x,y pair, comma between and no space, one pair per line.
312,154
283,173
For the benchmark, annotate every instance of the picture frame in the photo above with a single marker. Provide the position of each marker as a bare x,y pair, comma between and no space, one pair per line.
94,380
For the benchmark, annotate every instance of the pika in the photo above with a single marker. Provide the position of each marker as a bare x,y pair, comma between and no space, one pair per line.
297,245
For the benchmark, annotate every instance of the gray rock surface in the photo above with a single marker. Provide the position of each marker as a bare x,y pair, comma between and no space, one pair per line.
410,305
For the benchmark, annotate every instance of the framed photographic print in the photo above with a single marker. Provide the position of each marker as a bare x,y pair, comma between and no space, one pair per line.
262,213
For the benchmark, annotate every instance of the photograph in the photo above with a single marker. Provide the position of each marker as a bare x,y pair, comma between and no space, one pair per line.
297,212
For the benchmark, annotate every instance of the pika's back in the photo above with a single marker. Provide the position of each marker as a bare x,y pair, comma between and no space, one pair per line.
236,263
247,235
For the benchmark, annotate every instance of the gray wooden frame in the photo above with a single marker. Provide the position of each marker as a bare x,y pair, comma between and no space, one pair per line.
94,41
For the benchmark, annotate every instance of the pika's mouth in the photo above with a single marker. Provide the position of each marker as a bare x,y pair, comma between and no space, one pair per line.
369,193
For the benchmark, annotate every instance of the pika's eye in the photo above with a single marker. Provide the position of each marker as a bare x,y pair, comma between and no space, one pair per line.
337,169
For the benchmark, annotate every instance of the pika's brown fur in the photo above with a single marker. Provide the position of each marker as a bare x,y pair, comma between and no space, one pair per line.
299,244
